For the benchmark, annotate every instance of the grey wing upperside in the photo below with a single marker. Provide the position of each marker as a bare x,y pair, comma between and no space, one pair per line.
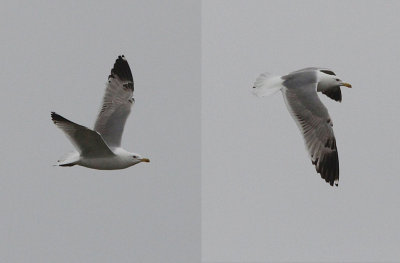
117,102
313,120
88,142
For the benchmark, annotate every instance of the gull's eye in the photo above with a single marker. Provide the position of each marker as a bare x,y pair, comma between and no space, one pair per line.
134,156
337,79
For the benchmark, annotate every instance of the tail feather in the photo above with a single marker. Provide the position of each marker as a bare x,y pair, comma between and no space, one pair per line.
69,159
267,84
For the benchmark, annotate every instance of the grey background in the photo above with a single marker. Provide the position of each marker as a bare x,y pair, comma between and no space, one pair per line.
56,56
261,197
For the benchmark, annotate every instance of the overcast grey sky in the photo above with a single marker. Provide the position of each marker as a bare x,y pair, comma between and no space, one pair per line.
56,56
261,197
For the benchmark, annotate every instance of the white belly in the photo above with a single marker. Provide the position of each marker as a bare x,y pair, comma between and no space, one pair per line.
108,163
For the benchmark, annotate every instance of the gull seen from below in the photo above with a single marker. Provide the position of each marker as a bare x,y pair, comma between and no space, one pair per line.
100,148
299,90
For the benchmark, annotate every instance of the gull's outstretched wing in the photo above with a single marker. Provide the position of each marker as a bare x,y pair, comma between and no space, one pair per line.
117,103
88,142
313,119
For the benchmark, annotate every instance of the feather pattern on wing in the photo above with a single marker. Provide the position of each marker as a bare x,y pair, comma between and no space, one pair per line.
88,142
313,119
117,103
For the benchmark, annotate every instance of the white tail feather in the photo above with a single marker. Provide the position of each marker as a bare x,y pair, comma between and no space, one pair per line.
267,84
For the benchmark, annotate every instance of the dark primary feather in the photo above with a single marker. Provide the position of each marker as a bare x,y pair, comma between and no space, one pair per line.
328,164
123,71
334,93
57,118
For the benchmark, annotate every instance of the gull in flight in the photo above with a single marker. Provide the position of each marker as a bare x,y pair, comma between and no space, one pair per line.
299,90
100,148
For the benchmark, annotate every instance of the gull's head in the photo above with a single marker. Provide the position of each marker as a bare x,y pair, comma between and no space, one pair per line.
327,79
139,159
129,158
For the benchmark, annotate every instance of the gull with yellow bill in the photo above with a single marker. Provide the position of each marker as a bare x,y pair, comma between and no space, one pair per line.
299,90
100,148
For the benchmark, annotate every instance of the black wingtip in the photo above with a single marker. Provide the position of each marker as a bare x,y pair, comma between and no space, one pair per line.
54,115
121,69
329,169
328,164
57,118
